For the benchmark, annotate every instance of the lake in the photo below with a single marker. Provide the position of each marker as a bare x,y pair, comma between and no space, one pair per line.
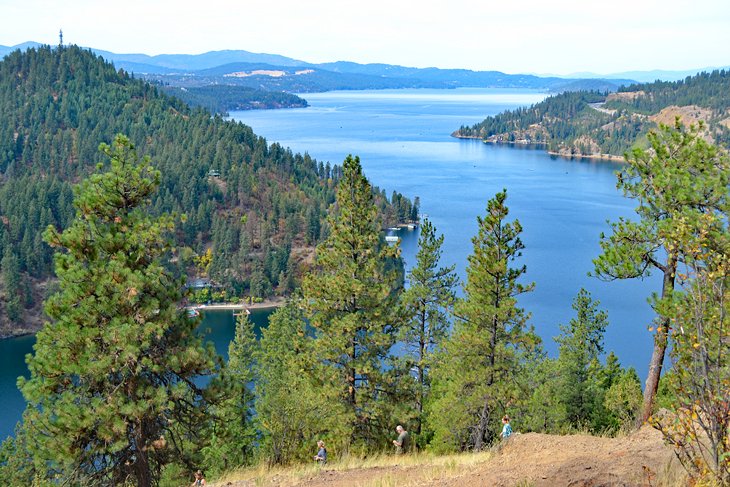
404,143
402,138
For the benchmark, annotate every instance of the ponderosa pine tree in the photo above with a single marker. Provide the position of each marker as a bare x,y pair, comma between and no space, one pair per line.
232,435
580,344
699,425
427,300
293,407
680,176
112,397
477,374
350,298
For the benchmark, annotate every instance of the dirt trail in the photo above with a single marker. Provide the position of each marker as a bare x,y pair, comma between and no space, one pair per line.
530,459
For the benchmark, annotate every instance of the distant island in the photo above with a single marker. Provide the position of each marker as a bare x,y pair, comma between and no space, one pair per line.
594,124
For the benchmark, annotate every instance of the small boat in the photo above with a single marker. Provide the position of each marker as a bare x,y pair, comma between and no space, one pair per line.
411,226
391,238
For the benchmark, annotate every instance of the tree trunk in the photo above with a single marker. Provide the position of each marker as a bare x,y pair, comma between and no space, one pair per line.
141,462
660,347
421,373
481,430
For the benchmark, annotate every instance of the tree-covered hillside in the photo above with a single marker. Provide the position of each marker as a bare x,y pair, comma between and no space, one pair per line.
258,207
599,124
224,98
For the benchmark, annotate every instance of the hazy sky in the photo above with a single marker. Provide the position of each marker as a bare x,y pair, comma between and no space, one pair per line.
540,36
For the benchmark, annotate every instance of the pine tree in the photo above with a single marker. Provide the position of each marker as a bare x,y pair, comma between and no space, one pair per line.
112,396
350,300
477,375
426,301
580,344
233,436
293,407
699,384
678,179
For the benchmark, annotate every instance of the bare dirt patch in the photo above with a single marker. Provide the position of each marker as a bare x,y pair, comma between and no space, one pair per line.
532,459
625,96
690,114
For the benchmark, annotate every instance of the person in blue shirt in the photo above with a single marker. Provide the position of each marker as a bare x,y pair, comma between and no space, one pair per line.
321,456
506,428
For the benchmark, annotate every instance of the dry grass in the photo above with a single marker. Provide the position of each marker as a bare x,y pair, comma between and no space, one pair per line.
421,467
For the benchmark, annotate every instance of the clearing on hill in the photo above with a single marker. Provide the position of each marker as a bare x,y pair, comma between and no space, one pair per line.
531,459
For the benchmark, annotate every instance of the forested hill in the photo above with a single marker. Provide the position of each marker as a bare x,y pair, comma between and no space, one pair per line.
602,125
259,207
224,98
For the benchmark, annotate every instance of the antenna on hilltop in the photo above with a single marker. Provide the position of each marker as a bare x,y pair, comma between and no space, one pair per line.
60,38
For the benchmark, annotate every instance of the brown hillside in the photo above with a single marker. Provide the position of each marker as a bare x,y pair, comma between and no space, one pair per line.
532,459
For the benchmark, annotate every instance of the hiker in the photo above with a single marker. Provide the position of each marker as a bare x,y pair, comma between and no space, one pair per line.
199,480
401,444
506,428
321,456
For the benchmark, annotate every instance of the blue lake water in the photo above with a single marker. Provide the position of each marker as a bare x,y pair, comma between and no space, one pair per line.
402,138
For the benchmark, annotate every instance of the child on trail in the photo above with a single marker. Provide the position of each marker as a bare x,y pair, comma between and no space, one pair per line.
321,456
506,428
199,480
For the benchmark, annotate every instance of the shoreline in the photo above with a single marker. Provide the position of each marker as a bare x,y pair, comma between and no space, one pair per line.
595,157
266,304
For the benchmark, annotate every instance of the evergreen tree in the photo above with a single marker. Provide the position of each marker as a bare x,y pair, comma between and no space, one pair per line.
679,179
350,299
111,394
580,344
233,435
293,408
699,384
478,373
426,301
11,279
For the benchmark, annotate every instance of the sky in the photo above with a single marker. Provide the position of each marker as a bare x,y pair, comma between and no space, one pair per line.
517,36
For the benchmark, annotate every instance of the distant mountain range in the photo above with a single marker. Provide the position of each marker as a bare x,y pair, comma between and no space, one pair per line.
280,73
275,72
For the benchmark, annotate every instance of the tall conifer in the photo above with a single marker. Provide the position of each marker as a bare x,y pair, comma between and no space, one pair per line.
476,376
350,300
427,300
112,396
681,177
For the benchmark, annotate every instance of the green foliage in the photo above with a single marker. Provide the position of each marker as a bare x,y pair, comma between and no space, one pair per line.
703,89
478,373
293,409
222,98
544,411
232,434
580,344
675,183
111,394
698,426
427,300
623,399
567,123
350,299
564,122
